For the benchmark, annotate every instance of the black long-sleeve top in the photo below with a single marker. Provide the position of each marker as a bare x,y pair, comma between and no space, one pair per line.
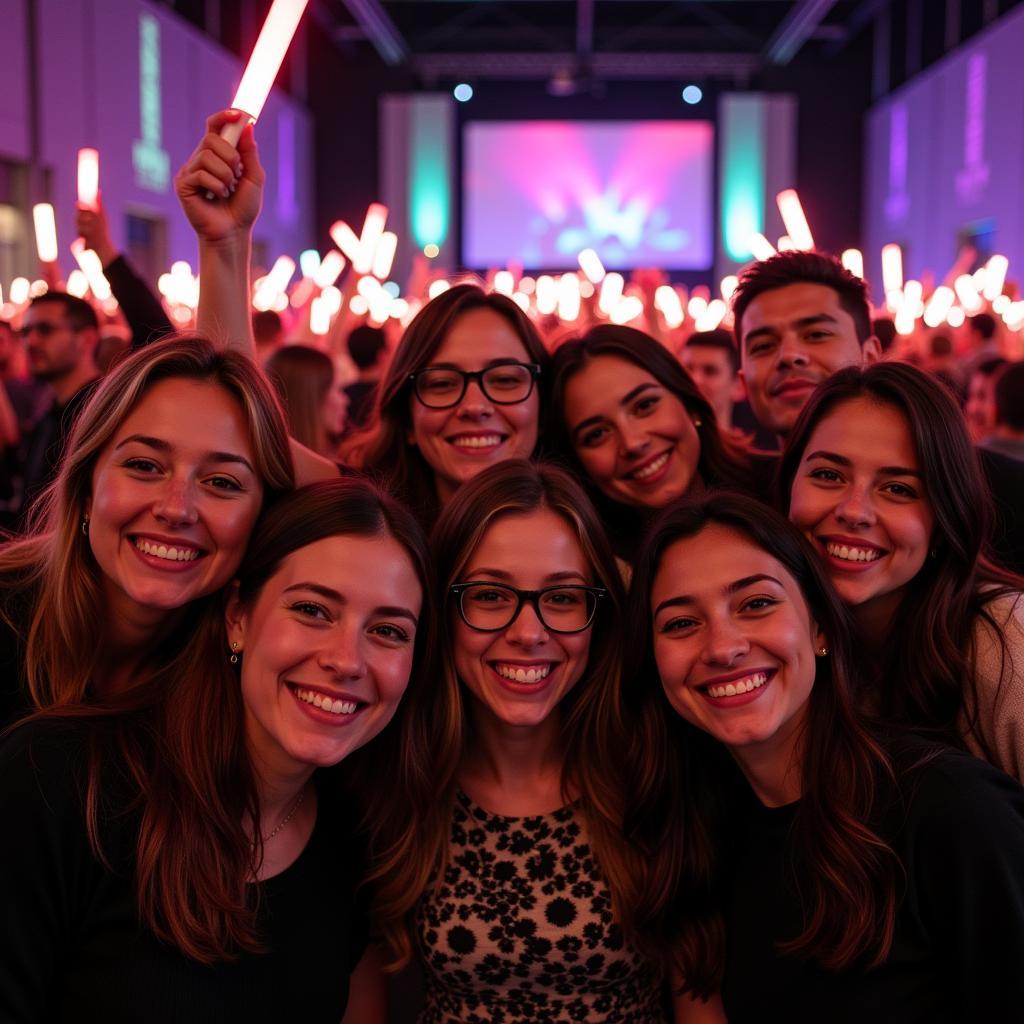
958,953
141,308
71,945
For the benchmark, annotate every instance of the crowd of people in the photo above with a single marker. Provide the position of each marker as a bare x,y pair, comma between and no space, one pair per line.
623,676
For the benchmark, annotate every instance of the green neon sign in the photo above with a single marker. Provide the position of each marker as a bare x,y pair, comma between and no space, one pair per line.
152,164
743,174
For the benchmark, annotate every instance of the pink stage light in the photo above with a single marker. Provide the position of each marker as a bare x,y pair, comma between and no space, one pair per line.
88,178
46,232
793,217
264,63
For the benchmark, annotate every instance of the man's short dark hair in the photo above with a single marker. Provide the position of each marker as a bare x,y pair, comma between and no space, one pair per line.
797,267
78,313
718,338
983,324
884,329
993,364
267,326
1009,397
365,345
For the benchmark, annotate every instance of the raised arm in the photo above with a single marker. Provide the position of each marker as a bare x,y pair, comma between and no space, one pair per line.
223,225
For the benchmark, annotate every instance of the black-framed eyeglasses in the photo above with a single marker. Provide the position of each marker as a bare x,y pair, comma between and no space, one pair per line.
441,387
490,607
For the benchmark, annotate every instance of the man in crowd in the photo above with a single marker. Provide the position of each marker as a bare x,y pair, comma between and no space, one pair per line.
1007,434
366,346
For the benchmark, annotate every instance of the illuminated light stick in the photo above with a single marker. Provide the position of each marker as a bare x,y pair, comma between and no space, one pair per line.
46,232
522,300
319,316
666,299
373,230
438,287
793,217
586,288
892,268
568,297
728,286
712,316
786,244
1000,304
399,308
591,265
37,288
309,262
547,295
956,317
995,277
264,63
331,298
611,293
504,282
302,293
527,285
368,287
939,305
968,294
629,307
760,248
853,260
348,242
19,290
384,255
894,301
89,179
358,305
330,268
697,307
904,322
92,268
380,307
913,296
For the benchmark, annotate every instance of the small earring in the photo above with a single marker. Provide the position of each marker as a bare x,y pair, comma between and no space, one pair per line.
934,553
85,526
234,652
822,651
698,422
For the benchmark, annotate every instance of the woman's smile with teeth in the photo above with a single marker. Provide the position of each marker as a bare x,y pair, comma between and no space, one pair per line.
518,674
852,554
325,703
738,686
651,468
477,440
171,553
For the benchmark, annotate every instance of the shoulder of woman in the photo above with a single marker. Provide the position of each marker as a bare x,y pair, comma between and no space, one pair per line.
42,769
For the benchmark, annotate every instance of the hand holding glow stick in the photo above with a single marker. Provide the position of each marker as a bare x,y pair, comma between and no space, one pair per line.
264,63
88,178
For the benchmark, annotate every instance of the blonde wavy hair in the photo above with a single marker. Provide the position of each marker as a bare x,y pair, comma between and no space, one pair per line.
53,565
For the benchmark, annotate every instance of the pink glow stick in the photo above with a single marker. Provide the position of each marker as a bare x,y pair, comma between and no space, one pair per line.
88,178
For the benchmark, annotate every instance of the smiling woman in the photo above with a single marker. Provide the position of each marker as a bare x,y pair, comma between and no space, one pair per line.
177,846
802,858
151,511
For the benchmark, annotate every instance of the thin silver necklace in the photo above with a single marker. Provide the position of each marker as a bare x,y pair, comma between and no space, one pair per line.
288,817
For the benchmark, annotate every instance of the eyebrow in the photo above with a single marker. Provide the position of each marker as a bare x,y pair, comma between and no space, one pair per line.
684,600
770,330
554,577
333,595
842,460
625,400
163,446
502,361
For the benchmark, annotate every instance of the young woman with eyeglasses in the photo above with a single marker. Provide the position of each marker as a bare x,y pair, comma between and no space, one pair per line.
462,393
497,851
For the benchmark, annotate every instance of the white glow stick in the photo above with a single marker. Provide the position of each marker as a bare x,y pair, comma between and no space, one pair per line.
894,301
892,268
331,299
46,232
760,248
568,297
712,316
92,268
995,276
368,287
666,299
591,265
697,307
274,284
904,322
794,219
611,292
853,260
1001,303
939,305
19,290
629,307
504,282
729,285
358,305
309,262
348,242
373,229
786,244
88,178
522,300
967,293
956,317
40,287
264,63
319,316
438,287
384,256
330,267
547,295
913,296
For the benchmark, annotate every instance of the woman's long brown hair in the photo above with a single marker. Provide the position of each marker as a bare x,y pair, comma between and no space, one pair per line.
176,747
924,677
411,816
688,791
